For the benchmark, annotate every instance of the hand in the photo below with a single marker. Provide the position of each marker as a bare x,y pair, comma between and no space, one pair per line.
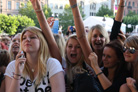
36,4
50,21
130,83
121,37
94,60
19,61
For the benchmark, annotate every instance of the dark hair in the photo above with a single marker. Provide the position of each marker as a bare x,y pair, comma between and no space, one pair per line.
4,57
118,48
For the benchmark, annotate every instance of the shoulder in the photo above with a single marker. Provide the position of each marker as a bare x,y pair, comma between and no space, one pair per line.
124,88
53,66
10,69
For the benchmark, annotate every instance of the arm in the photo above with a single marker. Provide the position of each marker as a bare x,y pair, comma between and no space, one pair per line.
57,82
118,20
53,48
12,82
81,35
105,82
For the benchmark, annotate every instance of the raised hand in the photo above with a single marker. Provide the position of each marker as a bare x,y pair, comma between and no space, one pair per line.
36,4
72,2
18,63
50,21
94,60
130,83
121,37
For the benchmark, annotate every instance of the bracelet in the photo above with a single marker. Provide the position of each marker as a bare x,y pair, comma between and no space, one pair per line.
16,74
121,5
73,6
16,78
99,73
38,10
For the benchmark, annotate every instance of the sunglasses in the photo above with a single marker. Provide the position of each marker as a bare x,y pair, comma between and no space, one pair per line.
131,50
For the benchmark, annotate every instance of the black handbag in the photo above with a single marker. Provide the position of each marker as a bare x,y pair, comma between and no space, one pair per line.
85,82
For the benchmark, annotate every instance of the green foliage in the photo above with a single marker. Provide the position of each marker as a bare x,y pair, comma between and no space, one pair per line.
14,24
66,18
29,12
104,11
133,20
131,13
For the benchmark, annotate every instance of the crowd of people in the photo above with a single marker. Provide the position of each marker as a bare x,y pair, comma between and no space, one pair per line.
37,60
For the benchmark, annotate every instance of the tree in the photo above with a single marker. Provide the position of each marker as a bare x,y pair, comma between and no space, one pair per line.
131,13
29,12
14,24
66,18
133,20
104,11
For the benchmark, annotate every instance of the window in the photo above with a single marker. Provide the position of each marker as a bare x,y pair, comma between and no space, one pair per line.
134,11
129,4
51,5
56,6
17,5
133,4
61,7
82,4
9,5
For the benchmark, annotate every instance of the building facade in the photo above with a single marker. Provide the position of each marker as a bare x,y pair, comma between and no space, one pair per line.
10,7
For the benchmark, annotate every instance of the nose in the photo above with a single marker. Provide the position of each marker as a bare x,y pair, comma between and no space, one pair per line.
28,39
73,48
98,38
104,58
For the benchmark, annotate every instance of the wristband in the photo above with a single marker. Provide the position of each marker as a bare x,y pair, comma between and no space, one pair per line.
73,6
121,5
16,74
99,73
16,78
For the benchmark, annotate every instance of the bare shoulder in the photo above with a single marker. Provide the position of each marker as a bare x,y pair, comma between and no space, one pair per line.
124,88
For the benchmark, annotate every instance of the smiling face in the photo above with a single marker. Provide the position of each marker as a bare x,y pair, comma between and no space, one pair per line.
30,42
129,57
109,58
16,44
73,51
97,39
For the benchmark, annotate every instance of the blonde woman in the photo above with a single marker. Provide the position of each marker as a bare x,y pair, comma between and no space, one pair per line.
40,72
14,46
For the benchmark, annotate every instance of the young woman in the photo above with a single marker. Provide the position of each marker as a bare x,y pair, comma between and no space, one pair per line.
131,56
14,46
96,36
40,72
114,72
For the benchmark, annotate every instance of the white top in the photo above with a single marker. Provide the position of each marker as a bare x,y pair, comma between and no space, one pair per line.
53,67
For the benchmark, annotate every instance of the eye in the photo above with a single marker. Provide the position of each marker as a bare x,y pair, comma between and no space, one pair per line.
70,46
24,38
95,36
13,40
101,36
33,37
78,46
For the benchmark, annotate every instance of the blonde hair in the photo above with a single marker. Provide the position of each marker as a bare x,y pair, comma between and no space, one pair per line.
61,43
43,55
101,30
10,48
132,41
71,69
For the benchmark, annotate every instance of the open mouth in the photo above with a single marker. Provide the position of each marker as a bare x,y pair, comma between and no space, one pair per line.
73,55
15,47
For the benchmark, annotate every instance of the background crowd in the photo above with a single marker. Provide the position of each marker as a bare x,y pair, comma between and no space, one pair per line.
83,60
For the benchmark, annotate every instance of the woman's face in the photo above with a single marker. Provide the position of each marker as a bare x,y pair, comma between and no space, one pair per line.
16,44
73,51
130,57
30,42
109,58
97,39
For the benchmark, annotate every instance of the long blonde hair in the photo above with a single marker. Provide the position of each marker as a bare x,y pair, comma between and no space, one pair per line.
71,69
43,55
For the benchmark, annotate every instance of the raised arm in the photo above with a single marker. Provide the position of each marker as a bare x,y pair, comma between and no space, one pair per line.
81,35
118,20
53,48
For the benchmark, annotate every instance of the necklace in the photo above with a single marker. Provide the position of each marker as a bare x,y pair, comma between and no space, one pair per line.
33,70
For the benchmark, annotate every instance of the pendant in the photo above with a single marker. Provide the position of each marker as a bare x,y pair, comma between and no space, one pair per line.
33,70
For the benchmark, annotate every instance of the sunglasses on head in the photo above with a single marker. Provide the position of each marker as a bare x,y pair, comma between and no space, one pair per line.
132,50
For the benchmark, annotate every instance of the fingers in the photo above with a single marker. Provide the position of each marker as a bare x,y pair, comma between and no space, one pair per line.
92,56
121,37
